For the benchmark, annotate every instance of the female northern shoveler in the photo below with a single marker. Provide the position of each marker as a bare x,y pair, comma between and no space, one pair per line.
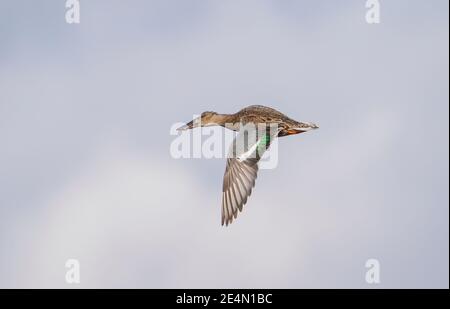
242,164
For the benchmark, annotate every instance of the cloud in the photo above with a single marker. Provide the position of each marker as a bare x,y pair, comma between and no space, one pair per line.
129,226
85,170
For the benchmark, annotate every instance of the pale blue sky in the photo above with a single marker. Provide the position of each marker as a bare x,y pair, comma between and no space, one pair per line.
86,173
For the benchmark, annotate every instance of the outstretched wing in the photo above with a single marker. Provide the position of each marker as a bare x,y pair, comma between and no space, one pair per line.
241,170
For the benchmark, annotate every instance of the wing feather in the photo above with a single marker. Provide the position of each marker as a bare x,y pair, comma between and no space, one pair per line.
240,175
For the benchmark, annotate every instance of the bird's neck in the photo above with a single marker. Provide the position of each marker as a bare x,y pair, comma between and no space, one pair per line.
224,119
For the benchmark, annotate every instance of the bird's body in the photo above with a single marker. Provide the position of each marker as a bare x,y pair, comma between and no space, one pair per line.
261,126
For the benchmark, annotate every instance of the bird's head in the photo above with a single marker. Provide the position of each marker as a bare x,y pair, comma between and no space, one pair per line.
204,120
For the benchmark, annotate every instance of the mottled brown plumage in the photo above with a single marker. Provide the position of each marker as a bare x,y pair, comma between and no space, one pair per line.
263,114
